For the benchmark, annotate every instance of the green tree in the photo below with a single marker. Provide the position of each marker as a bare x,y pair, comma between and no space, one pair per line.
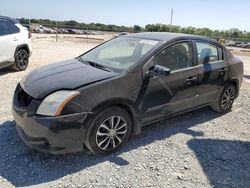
71,23
165,28
137,28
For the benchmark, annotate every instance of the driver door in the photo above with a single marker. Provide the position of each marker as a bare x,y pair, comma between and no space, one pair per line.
167,95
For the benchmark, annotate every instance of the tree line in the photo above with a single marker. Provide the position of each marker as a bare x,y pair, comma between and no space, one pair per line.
231,33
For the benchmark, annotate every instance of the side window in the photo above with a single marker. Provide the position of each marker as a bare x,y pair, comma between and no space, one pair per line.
176,56
208,53
13,28
4,29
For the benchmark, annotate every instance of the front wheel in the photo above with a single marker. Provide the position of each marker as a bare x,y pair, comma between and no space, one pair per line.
226,99
109,130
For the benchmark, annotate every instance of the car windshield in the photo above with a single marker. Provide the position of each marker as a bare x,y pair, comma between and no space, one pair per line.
121,53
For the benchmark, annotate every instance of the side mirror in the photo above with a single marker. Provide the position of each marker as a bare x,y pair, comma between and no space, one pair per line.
158,70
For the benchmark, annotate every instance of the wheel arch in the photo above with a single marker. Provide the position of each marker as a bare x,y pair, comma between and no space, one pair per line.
125,104
23,46
235,82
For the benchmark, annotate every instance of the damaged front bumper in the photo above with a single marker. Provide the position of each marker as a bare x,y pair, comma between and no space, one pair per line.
59,134
62,134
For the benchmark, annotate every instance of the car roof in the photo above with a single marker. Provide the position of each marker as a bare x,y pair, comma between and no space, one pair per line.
165,36
9,19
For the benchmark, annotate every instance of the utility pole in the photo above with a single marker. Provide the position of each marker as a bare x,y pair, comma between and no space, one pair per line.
56,32
171,19
29,26
87,35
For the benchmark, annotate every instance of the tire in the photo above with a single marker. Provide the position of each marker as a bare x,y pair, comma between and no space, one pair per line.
226,99
21,60
101,138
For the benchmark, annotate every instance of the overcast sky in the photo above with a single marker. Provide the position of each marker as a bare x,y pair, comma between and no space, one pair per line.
214,14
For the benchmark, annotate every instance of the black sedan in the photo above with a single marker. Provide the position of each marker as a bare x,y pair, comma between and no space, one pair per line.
103,97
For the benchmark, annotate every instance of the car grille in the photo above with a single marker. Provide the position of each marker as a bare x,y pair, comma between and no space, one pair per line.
23,98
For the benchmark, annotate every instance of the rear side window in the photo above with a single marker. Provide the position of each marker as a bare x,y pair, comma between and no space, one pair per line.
4,29
208,53
13,28
220,52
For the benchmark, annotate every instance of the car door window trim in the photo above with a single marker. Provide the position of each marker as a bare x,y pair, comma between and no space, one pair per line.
209,43
177,42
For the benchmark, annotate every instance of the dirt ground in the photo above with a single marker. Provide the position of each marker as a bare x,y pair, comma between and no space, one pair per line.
197,149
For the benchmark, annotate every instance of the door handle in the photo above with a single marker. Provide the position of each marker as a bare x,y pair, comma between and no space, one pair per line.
190,80
223,71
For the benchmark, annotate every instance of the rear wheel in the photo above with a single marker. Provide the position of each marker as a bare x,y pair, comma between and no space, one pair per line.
109,130
21,60
226,99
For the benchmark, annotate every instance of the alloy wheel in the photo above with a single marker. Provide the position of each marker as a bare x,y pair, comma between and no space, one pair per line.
111,133
22,60
228,98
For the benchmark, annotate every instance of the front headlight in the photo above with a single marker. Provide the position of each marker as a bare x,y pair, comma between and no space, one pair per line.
53,104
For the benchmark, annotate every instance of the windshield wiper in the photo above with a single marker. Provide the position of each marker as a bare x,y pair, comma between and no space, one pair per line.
94,64
99,66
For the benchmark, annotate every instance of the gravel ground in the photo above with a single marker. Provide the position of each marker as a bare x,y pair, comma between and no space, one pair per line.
197,149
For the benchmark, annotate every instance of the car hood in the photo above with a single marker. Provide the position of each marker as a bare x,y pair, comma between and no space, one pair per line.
69,74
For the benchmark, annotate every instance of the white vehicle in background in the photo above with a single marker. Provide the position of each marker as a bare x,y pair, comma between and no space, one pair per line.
48,30
15,44
99,33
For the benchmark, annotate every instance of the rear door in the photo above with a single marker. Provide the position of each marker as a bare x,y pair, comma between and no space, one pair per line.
212,71
166,95
8,40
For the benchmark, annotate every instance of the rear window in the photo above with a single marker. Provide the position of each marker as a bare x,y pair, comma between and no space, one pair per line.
4,29
208,53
